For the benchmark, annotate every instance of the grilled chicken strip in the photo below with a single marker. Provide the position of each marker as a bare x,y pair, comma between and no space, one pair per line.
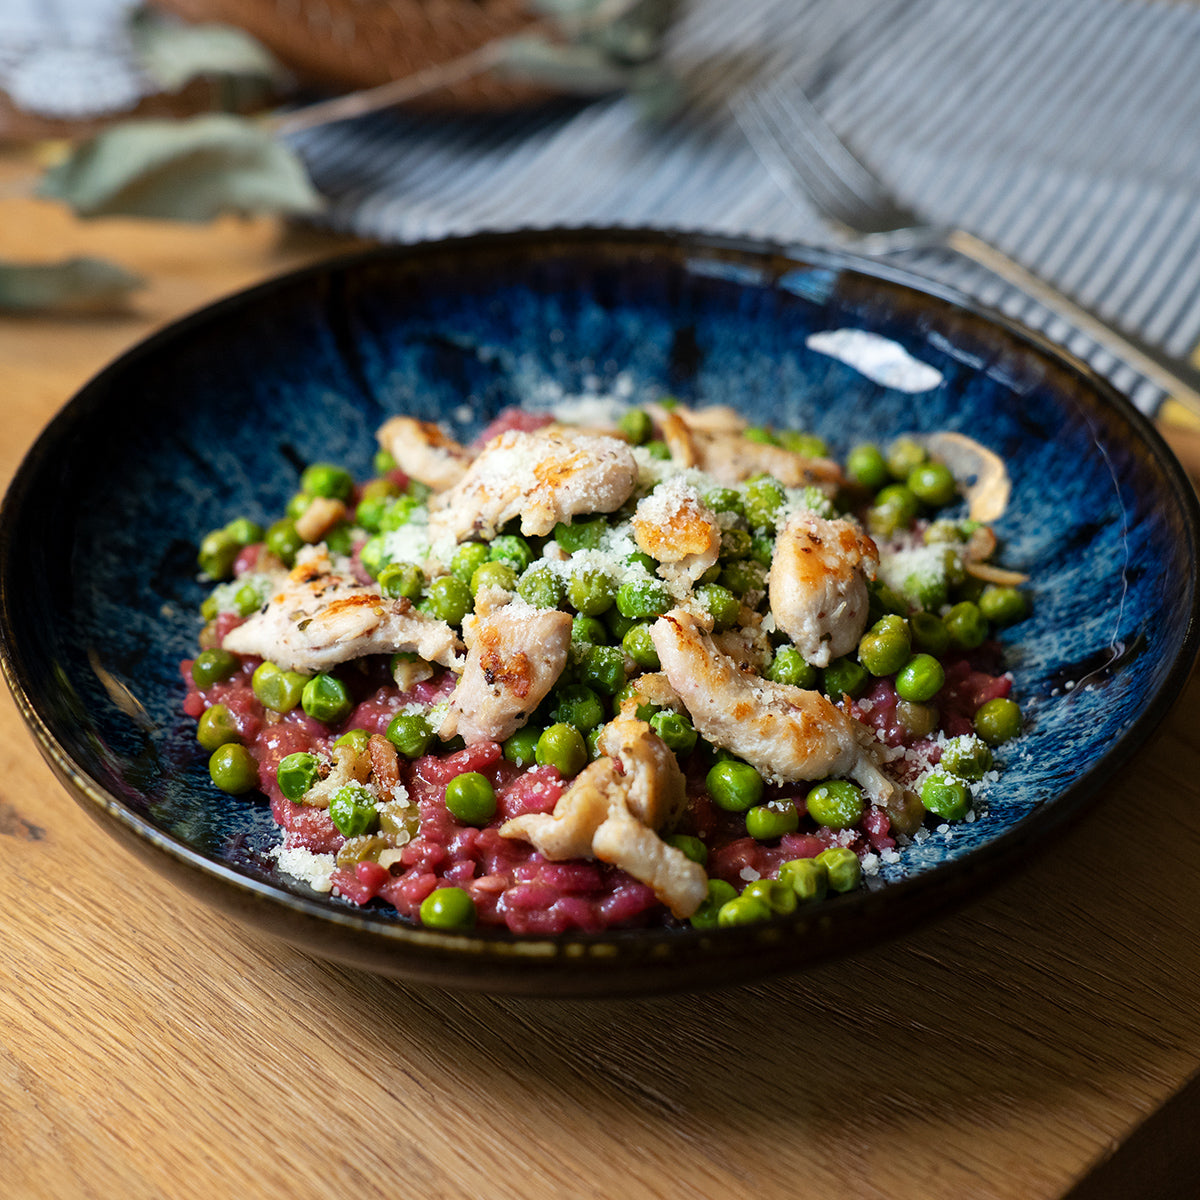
818,585
317,618
423,451
612,812
514,656
543,477
787,733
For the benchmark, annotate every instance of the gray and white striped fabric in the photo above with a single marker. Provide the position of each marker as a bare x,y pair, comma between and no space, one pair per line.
1064,132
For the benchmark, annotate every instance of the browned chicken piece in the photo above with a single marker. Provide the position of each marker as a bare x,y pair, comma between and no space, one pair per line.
787,733
612,811
321,515
514,656
818,584
673,526
713,418
543,477
317,618
422,450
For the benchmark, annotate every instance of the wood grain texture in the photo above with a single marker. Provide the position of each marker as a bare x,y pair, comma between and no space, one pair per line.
151,1048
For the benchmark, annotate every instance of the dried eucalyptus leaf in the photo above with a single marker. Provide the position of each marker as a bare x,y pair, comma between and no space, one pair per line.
581,70
73,285
173,53
189,170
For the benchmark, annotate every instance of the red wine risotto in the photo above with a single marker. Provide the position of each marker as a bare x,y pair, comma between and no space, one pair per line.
669,669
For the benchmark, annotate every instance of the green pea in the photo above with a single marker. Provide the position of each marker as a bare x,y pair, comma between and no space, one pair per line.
374,556
998,721
929,633
447,599
352,810
562,746
762,549
842,868
836,804
886,647
742,910
719,894
326,698
762,500
920,679
339,540
467,559
636,425
691,847
919,719
298,505
471,798
810,445
216,728
865,465
590,592
521,748
217,554
640,599
884,601
721,604
933,484
368,514
493,575
353,740
766,822
246,600
966,625
541,587
283,541
904,455
926,590
675,730
399,512
734,785
644,710
788,666
967,757
777,896
945,796
383,462
761,434
244,531
659,449
844,677
1003,605
210,607
580,535
944,531
297,774
211,666
638,644
603,667
401,580
742,576
410,733
232,768
807,877
735,543
588,631
448,908
619,626
325,479
724,499
894,510
578,705
276,689
512,549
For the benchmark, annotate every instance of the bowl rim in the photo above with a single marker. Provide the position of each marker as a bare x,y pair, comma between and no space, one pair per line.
596,960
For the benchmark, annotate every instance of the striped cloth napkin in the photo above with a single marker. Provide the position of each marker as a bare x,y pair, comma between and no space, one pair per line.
1064,132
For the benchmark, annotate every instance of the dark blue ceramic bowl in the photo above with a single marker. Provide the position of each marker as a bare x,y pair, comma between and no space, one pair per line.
215,417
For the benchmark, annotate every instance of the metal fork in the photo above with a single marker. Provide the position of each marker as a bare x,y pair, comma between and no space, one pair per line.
799,147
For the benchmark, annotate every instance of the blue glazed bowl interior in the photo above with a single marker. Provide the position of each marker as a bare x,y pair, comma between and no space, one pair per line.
216,417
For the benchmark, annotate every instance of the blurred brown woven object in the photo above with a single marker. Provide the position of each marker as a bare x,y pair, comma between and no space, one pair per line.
356,44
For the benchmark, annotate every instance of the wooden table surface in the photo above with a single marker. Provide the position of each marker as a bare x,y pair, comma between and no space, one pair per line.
1014,1048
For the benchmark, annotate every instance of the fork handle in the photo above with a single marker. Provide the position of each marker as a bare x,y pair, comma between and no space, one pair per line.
1179,379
